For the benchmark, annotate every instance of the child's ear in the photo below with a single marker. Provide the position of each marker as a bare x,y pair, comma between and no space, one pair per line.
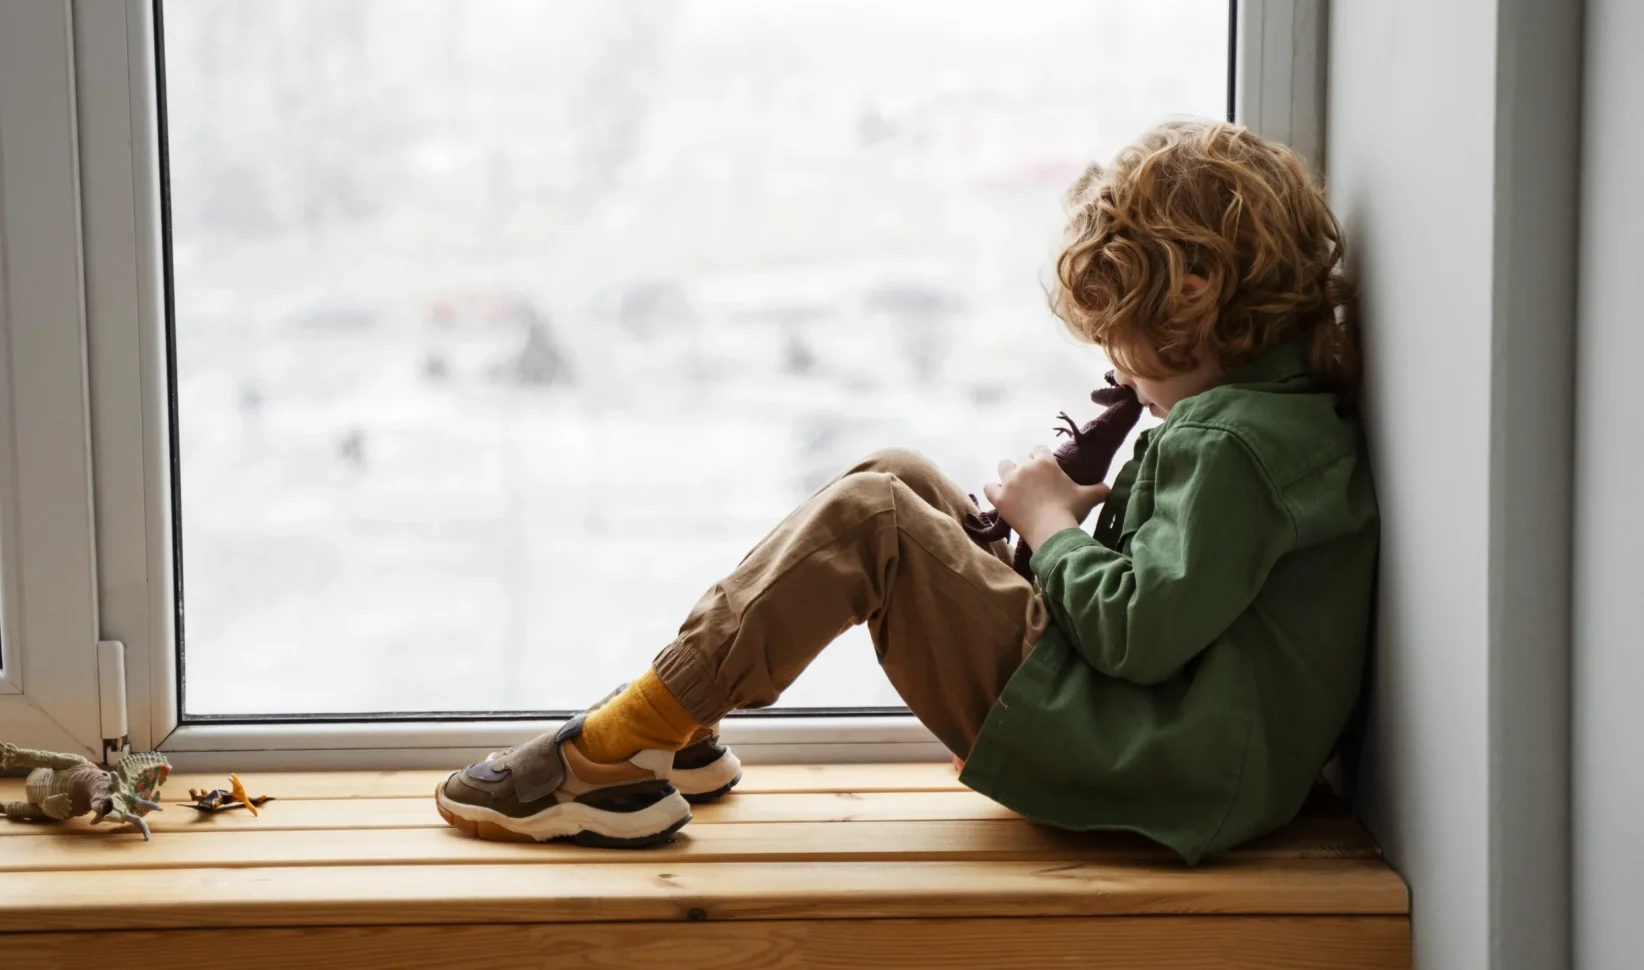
1194,285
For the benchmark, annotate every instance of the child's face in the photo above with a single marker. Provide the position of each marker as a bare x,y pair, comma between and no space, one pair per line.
1159,396
1162,395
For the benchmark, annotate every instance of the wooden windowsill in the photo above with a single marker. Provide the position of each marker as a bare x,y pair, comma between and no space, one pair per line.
873,865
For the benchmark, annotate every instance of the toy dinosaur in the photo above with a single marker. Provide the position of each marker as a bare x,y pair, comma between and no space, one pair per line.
223,799
1085,456
64,786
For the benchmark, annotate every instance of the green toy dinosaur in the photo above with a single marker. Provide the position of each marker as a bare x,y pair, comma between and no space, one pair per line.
64,786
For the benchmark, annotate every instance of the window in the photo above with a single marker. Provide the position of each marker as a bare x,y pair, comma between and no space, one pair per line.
502,329
48,583
440,354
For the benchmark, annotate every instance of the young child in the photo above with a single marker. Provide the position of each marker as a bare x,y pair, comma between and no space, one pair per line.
1184,673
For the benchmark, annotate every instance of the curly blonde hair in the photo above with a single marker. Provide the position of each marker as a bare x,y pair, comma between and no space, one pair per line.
1209,199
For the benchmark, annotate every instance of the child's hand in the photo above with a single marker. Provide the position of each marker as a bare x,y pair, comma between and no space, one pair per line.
1038,499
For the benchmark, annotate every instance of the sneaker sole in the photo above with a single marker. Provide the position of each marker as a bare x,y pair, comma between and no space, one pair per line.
708,782
581,823
699,798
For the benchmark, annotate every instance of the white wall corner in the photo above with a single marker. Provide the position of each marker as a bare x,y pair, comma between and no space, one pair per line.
1452,136
1537,202
1608,667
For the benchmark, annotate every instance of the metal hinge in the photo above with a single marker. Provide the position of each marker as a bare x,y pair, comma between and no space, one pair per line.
111,695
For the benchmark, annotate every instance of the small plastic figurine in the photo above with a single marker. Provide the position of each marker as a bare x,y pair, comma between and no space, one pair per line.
1085,456
223,799
64,786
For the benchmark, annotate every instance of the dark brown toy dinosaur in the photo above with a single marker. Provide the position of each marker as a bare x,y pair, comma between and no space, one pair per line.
1085,456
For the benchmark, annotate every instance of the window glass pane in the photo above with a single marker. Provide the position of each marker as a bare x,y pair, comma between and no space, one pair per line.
504,327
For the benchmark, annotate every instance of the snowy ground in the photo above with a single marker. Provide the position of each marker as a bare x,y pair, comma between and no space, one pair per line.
481,384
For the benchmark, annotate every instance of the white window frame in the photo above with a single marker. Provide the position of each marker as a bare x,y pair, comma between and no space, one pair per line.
1279,72
112,109
48,590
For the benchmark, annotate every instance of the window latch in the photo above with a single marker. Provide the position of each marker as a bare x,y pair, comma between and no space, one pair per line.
111,695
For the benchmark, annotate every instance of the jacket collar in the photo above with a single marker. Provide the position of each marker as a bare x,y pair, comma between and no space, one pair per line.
1282,364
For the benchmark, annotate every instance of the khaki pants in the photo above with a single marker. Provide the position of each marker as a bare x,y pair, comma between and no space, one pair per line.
881,544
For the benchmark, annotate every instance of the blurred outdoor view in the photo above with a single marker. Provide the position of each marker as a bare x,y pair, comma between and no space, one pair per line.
505,327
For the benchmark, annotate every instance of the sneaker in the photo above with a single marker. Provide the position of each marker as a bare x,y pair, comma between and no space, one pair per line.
704,769
546,789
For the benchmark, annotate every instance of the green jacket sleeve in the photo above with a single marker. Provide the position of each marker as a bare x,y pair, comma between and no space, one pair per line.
1196,563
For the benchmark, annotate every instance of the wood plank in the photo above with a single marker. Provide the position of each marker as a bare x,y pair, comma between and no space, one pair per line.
959,840
419,784
393,813
1136,943
667,891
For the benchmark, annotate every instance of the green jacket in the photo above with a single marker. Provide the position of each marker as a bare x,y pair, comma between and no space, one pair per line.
1206,647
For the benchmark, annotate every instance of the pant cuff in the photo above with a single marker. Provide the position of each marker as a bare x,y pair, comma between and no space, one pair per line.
693,683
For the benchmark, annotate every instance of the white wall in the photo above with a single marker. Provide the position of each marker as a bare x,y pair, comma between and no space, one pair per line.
1402,100
1609,575
1454,175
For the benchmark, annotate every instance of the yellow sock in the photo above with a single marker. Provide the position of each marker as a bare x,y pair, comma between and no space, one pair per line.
644,716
